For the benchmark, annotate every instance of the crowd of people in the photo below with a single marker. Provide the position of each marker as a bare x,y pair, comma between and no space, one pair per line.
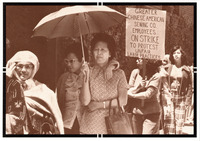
159,95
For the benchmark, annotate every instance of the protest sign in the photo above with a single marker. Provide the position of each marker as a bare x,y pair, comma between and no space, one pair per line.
145,33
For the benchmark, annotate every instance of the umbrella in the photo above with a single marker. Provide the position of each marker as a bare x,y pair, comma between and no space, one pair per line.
76,21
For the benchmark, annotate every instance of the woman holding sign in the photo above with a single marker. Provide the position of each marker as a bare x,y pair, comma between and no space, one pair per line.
146,112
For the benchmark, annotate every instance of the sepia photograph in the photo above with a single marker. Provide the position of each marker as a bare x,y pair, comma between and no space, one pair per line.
99,69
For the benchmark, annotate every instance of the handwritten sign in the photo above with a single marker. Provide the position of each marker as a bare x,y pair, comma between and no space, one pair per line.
145,33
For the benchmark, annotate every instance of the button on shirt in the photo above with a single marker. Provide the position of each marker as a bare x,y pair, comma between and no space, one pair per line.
68,91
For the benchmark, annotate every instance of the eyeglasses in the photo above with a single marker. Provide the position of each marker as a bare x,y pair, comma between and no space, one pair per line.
70,61
26,66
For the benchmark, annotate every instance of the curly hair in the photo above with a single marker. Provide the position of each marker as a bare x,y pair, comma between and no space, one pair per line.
183,55
107,39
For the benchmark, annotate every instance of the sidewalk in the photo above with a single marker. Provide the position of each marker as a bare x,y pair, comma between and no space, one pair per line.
188,129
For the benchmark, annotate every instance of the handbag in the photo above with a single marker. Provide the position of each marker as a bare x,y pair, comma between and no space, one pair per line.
118,122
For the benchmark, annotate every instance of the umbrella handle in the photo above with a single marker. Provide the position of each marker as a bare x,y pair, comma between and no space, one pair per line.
143,77
83,61
86,75
81,39
82,48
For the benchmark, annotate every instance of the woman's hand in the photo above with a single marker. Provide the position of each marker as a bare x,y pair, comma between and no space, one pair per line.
11,121
132,91
9,70
29,84
93,105
109,72
163,72
86,71
143,83
131,94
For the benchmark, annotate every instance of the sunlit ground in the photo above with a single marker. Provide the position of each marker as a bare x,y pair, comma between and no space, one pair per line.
188,129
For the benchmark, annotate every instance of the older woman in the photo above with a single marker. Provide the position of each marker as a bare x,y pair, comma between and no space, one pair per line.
98,90
179,89
40,100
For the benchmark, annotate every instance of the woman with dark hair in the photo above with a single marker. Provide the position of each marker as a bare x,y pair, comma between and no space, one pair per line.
99,89
146,110
175,58
106,39
136,81
179,90
68,89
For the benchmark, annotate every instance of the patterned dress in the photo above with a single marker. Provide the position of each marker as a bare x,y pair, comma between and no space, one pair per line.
174,113
101,90
15,107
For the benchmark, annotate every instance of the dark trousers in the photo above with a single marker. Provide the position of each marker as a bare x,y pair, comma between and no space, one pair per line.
74,129
146,124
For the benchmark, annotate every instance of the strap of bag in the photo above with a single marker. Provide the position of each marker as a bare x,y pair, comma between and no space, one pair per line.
136,77
179,93
121,109
110,103
110,106
169,73
181,85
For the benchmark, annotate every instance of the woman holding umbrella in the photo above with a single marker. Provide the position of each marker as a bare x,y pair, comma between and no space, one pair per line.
98,90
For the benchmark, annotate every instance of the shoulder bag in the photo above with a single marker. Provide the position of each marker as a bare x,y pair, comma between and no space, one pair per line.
118,122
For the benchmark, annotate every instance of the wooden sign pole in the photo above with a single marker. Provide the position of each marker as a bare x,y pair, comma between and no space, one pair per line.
143,77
